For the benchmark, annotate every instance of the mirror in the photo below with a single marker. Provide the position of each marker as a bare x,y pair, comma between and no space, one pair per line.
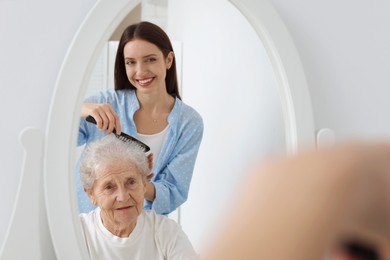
241,84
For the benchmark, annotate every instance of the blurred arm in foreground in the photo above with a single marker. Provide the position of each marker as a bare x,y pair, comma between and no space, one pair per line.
312,206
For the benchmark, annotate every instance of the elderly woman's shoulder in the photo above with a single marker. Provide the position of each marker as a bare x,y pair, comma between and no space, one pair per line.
89,216
160,222
166,231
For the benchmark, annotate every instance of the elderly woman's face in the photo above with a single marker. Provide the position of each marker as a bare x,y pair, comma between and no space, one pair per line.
119,192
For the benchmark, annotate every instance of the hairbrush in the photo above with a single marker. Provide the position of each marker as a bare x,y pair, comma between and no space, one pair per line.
124,137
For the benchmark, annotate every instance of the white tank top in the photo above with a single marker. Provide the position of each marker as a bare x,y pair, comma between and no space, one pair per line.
154,141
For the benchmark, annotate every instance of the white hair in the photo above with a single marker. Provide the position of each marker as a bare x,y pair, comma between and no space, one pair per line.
103,151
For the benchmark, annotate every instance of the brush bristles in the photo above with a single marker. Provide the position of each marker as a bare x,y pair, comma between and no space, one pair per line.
125,139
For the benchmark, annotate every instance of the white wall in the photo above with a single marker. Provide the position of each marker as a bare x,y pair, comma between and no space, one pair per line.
228,78
343,46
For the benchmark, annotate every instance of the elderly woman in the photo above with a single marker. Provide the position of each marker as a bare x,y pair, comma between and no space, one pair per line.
114,176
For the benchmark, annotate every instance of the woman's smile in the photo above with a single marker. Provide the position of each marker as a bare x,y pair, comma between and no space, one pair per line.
145,82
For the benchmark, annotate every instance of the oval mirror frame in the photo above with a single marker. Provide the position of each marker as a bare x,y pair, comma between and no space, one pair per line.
61,137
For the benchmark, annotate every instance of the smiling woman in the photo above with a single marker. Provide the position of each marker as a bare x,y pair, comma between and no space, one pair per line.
292,127
146,104
114,175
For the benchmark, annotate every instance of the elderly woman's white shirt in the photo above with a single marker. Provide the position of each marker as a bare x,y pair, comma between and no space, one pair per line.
154,237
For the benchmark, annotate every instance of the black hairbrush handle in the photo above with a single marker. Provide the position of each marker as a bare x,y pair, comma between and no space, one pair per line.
124,137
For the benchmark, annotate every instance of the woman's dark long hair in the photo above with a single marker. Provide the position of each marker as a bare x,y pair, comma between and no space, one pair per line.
154,34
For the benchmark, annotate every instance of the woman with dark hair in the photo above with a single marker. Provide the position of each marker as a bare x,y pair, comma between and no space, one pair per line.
146,104
153,34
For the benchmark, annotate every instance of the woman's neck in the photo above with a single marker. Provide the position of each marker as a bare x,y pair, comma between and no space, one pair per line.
156,103
152,115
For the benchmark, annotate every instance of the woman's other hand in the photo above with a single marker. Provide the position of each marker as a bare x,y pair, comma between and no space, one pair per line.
150,160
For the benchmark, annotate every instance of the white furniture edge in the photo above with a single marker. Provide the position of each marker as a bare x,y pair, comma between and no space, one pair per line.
71,84
28,226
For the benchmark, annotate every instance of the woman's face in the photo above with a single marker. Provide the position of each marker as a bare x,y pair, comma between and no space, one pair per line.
146,66
119,192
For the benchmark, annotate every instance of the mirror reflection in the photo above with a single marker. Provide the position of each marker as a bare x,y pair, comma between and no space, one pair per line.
224,74
114,175
146,104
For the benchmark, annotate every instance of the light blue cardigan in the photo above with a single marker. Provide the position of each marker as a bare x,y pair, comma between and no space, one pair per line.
174,166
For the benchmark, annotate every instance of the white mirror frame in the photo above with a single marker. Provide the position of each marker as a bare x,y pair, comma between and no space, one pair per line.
100,23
